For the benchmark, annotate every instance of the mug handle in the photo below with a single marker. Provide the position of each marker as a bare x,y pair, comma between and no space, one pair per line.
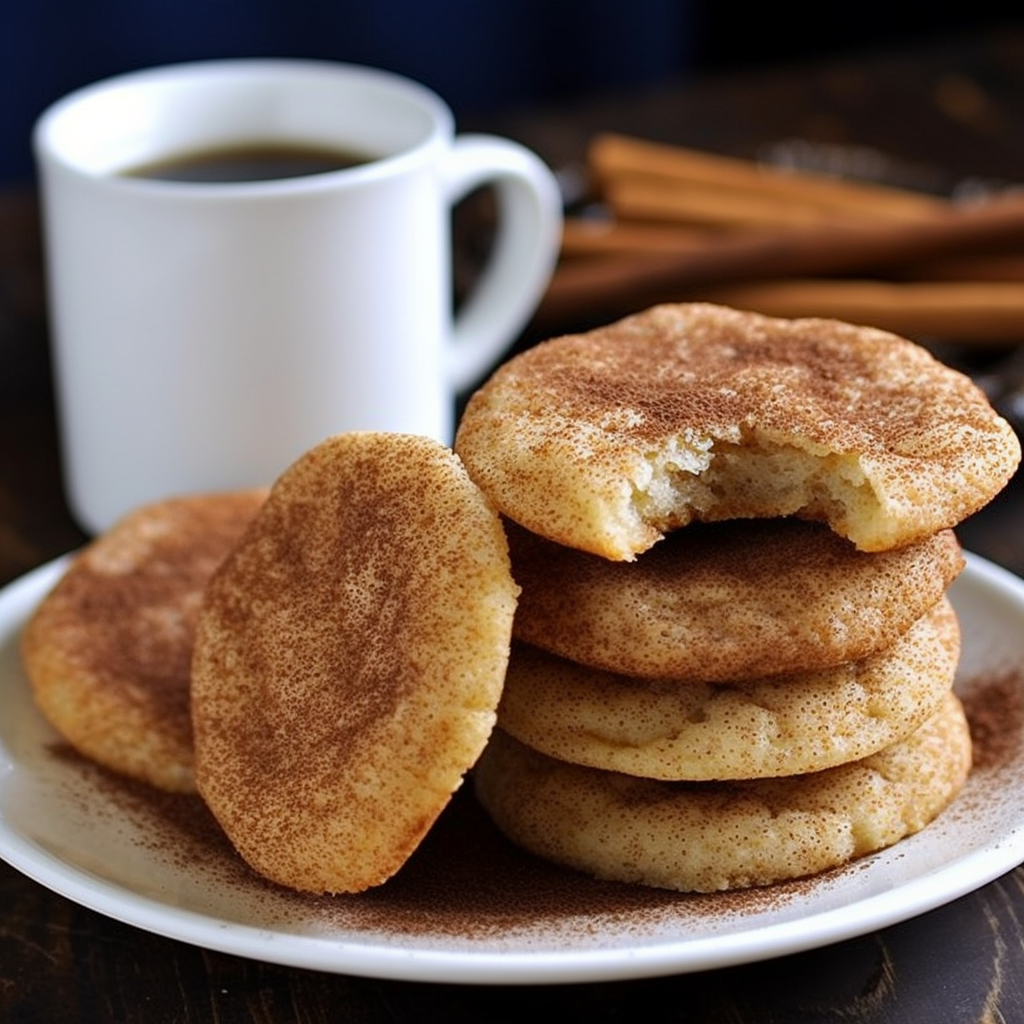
529,226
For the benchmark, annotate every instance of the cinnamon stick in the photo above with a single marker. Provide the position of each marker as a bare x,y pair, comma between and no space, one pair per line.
613,283
614,157
587,237
965,311
642,198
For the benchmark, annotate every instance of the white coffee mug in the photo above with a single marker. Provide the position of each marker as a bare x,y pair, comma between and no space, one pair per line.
206,334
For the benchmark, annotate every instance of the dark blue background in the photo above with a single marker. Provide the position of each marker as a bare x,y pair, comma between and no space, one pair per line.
480,55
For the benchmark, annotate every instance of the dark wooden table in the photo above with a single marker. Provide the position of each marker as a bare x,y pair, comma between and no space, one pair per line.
944,111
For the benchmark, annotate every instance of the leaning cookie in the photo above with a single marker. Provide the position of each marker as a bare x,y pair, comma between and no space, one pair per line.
349,660
727,601
779,725
708,837
604,441
107,652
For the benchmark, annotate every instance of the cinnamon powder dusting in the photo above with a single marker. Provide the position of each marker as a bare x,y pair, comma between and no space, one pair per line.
994,704
466,881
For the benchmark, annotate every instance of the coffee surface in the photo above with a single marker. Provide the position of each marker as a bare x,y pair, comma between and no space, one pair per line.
256,161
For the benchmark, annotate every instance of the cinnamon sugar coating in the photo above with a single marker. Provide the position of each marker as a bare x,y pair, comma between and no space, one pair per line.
108,650
349,660
604,441
727,601
708,837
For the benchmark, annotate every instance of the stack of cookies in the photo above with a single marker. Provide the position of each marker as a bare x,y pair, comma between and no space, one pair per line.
733,653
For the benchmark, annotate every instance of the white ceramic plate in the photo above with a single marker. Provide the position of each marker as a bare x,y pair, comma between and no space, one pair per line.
468,908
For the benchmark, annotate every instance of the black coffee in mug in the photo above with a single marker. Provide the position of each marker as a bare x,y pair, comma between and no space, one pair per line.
252,161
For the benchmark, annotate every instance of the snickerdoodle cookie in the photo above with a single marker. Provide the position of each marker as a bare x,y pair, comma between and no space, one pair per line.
727,601
779,725
349,660
603,441
108,650
707,837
